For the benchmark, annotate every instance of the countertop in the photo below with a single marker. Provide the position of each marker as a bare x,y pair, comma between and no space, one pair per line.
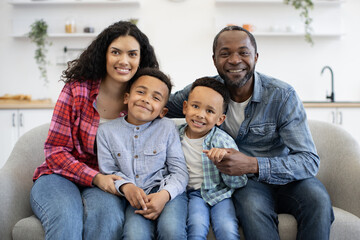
26,104
308,104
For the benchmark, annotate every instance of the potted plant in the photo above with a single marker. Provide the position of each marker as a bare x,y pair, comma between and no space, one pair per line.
304,6
38,35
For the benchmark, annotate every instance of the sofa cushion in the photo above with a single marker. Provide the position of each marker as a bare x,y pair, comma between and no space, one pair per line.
346,226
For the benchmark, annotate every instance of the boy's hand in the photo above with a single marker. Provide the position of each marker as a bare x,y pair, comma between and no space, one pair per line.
135,195
215,154
155,205
106,183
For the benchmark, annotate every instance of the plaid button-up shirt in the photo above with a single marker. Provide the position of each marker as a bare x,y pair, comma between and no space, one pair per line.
216,186
70,145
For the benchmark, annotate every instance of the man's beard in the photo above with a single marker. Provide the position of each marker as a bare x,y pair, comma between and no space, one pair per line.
239,83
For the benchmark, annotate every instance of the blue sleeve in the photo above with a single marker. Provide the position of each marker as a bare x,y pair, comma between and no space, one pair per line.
302,160
175,103
106,161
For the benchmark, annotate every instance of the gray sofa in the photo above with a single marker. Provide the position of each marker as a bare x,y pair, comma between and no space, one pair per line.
339,171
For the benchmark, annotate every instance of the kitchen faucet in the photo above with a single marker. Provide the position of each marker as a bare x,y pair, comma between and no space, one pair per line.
332,95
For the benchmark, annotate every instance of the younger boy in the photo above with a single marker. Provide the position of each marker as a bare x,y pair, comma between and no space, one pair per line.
209,191
144,149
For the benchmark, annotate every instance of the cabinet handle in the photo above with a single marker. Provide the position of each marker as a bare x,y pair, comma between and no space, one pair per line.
340,118
333,117
13,120
21,120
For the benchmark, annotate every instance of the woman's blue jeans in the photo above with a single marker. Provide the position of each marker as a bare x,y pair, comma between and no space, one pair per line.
170,225
222,215
257,205
69,212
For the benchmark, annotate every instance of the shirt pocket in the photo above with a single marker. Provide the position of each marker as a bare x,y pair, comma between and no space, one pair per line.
155,157
123,161
262,135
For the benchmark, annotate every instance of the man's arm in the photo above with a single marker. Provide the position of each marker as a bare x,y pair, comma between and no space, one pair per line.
300,159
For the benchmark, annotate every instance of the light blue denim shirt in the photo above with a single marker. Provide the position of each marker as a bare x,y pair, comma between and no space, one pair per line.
148,155
274,130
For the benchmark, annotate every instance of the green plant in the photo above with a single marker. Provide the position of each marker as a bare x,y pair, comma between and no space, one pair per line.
38,35
304,6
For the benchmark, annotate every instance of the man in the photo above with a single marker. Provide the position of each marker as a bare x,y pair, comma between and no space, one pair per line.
268,122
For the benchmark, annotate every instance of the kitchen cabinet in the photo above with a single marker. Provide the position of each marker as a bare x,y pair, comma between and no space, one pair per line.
346,115
267,17
16,122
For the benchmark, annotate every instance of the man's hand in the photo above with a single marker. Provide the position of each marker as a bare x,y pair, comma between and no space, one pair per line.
135,195
235,163
155,205
106,183
215,154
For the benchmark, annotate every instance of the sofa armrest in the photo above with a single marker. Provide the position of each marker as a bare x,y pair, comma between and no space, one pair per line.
16,178
339,169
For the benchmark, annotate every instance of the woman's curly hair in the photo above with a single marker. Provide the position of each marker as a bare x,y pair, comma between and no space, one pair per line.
91,64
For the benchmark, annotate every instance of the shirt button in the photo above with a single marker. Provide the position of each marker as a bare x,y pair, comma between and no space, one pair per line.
136,156
136,136
154,152
137,128
118,154
137,176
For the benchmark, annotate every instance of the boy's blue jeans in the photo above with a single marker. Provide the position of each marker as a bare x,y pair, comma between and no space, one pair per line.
170,225
67,212
257,205
222,215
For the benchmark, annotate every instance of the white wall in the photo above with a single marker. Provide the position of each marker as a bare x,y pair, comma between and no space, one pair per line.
182,35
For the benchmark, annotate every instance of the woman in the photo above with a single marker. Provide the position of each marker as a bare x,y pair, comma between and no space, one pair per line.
70,197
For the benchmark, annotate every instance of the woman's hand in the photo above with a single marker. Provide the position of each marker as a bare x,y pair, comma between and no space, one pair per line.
106,183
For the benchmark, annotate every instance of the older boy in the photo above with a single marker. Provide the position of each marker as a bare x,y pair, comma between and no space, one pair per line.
144,149
209,191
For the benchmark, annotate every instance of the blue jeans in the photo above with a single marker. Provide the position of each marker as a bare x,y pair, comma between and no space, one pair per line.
170,225
257,205
222,215
69,212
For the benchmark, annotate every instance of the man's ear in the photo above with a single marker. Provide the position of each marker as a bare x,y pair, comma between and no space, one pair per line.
163,112
213,57
221,119
184,107
126,98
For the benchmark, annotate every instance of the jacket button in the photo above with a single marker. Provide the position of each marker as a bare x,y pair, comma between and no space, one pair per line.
118,154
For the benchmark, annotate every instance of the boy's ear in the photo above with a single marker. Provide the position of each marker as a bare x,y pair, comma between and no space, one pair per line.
221,119
184,107
163,112
126,98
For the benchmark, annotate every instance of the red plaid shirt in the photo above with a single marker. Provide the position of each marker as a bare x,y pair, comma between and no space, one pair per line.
69,147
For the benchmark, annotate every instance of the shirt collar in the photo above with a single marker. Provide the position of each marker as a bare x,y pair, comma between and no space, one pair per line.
256,96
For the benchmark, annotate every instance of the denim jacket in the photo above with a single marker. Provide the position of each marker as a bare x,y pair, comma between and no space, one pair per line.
274,130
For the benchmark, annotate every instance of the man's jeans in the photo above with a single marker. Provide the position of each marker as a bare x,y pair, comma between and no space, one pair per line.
257,205
170,225
222,215
67,212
